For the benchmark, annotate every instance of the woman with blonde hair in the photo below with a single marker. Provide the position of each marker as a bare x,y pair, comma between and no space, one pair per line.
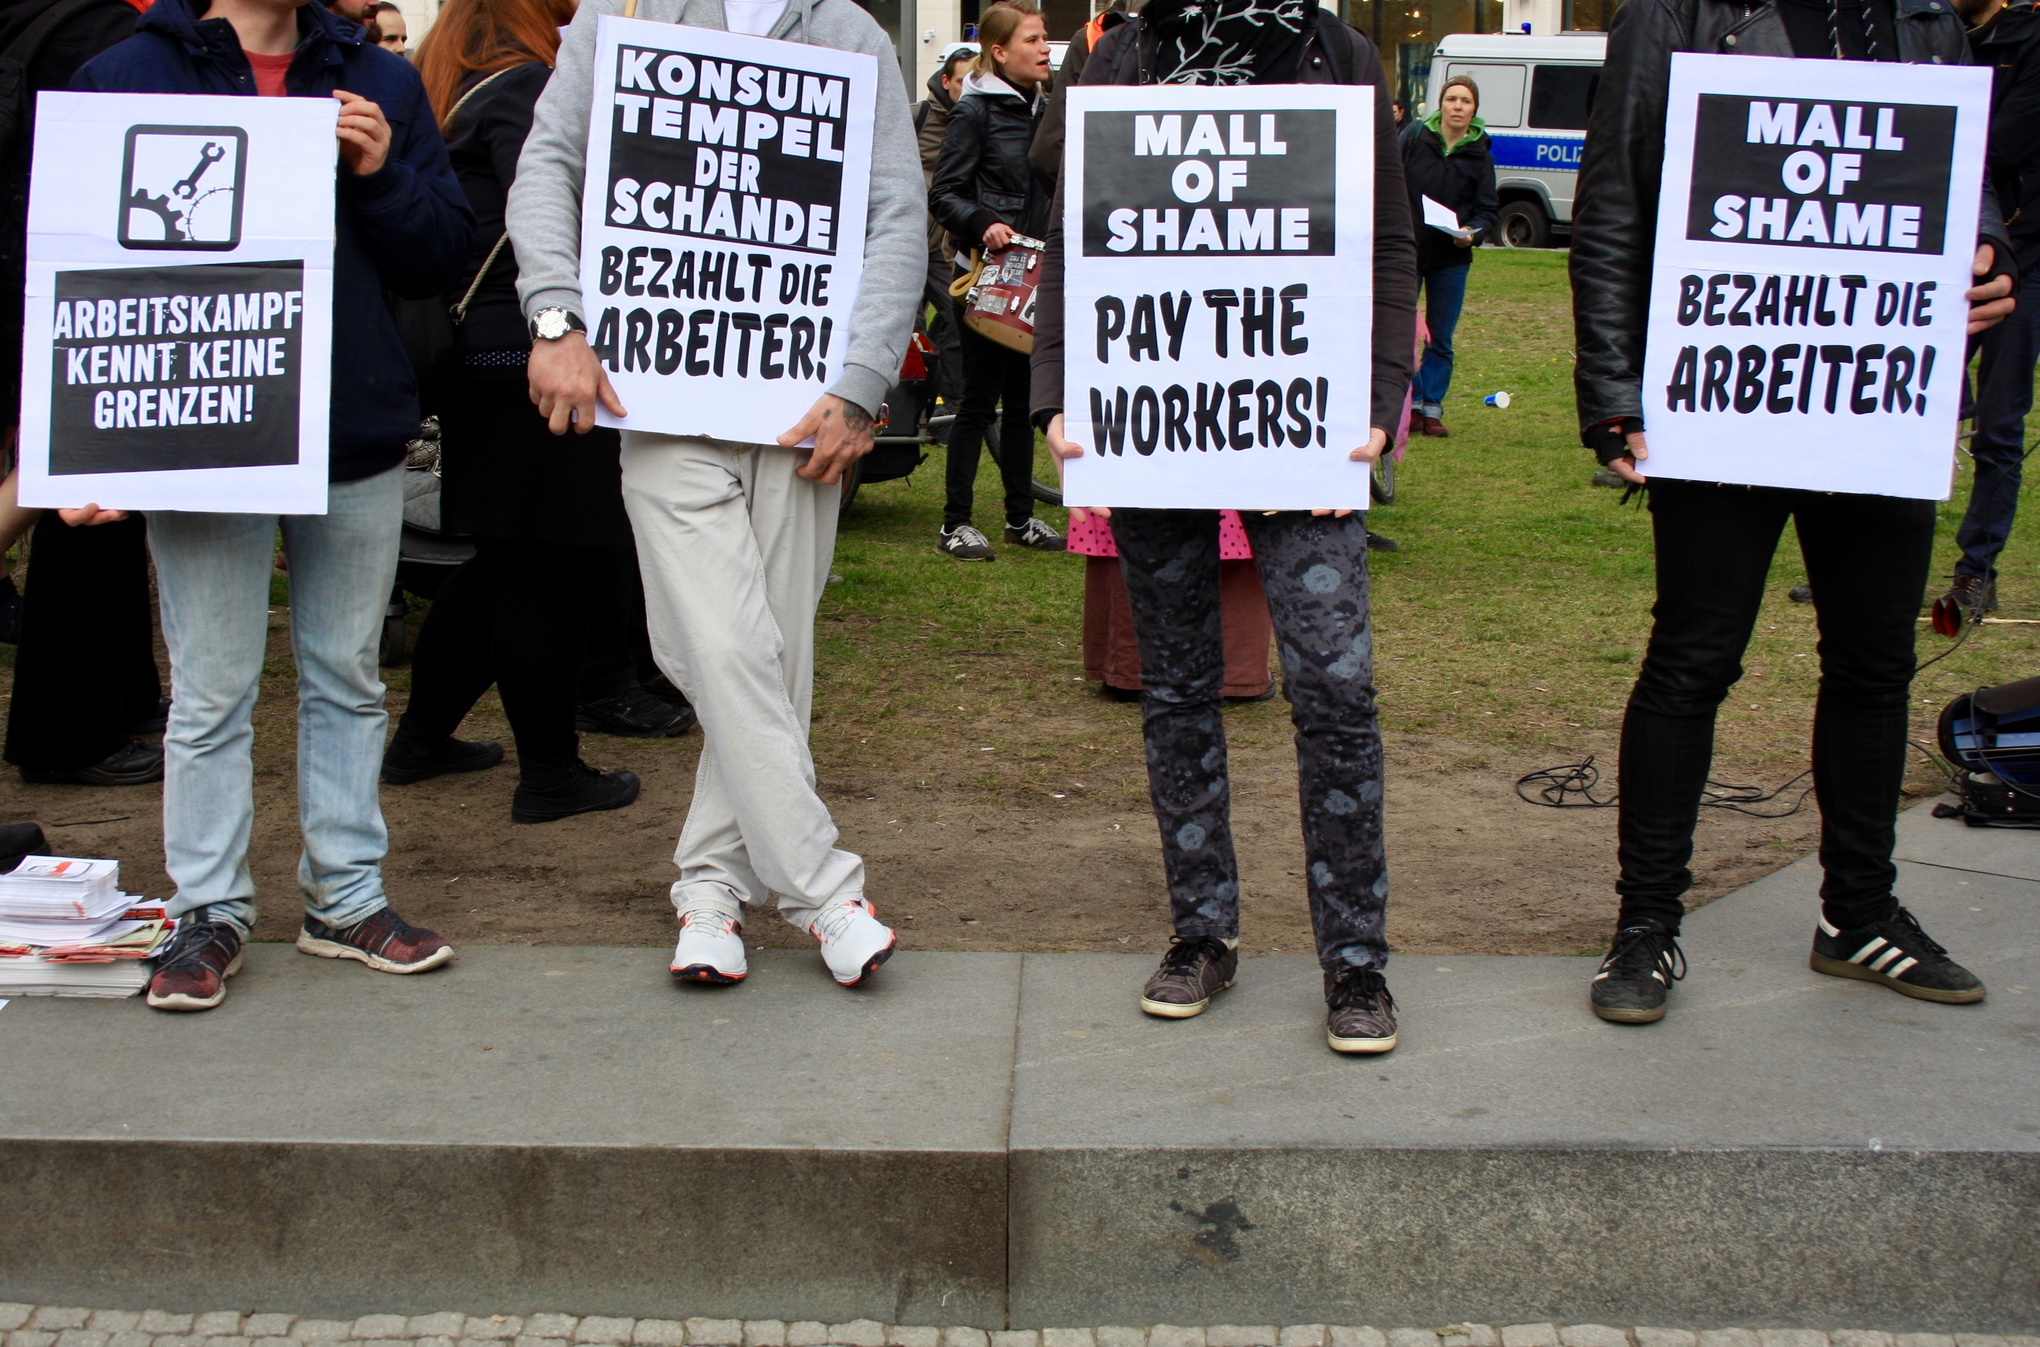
553,559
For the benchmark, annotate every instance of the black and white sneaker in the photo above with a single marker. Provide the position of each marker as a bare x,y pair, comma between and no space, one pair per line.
1637,976
965,543
1036,535
1897,953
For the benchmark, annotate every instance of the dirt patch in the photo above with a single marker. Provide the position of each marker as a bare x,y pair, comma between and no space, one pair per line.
1001,808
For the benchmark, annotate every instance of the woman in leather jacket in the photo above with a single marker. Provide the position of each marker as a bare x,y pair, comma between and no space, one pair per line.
984,193
1866,556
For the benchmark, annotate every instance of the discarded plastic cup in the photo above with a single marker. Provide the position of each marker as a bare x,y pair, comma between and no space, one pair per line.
1497,400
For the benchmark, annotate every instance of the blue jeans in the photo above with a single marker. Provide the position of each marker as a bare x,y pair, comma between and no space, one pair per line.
212,572
1444,294
2004,394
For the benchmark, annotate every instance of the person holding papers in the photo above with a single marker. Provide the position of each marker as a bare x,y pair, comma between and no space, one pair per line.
1866,555
734,539
403,227
984,192
1449,164
1312,564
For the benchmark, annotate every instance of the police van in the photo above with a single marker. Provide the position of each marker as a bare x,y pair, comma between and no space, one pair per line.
1534,96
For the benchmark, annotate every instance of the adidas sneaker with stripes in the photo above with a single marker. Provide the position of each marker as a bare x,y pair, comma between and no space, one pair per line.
1898,953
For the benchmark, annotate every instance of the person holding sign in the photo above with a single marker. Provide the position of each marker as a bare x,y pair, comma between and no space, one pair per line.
790,139
402,226
1313,563
984,193
1449,164
1784,382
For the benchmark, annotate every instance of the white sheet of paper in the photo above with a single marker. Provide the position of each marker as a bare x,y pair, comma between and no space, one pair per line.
722,224
178,346
1218,292
1816,226
1440,216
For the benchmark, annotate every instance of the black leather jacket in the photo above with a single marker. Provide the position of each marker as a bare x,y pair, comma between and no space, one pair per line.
1615,211
982,176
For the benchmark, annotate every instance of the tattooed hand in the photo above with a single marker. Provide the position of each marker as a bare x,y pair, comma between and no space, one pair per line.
842,433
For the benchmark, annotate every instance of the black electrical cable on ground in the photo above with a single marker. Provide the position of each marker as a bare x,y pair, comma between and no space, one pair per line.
1571,786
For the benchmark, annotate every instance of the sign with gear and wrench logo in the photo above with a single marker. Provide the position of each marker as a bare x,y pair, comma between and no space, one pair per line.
177,351
180,187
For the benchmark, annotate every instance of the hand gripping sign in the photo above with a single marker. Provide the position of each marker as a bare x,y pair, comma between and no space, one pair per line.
722,224
178,343
1816,227
1218,252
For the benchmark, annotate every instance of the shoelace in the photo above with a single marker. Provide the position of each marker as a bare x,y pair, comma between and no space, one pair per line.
1632,943
1187,950
1912,937
192,942
835,923
1357,984
720,923
969,536
1034,530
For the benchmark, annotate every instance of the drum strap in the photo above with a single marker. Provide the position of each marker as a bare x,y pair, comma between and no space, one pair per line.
961,286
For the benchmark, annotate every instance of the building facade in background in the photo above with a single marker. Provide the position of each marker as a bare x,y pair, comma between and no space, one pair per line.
1407,31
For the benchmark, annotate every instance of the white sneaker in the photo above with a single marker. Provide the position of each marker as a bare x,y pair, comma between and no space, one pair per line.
854,941
711,948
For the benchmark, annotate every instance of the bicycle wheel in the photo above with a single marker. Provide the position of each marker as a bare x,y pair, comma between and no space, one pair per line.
1381,481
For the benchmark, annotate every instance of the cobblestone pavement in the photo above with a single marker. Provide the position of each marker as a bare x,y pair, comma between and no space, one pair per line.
54,1326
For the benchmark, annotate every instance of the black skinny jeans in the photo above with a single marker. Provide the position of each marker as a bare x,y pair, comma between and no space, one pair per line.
520,615
1315,572
1866,559
995,385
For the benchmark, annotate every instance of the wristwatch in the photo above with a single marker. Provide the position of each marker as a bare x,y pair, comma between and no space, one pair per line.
552,324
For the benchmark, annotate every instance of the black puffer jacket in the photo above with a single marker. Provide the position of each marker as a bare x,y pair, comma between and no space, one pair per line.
1615,211
982,177
1463,180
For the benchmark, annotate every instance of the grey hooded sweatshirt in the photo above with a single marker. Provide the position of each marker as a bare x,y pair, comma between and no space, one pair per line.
544,213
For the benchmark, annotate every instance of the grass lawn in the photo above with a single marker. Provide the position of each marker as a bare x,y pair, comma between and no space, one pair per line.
1514,614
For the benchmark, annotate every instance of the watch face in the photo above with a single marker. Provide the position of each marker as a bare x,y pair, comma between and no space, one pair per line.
552,324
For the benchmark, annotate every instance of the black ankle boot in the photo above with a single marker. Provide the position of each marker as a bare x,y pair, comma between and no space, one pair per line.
550,791
409,759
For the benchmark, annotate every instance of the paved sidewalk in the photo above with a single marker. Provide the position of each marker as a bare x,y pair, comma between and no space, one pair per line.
1002,1139
48,1326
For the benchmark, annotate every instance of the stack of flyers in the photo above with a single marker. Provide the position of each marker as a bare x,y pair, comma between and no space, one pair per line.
105,965
61,900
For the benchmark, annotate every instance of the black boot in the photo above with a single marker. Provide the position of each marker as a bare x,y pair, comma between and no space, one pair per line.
408,759
548,791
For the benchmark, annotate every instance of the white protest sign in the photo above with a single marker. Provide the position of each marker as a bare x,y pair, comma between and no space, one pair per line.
1218,285
1816,226
722,224
178,347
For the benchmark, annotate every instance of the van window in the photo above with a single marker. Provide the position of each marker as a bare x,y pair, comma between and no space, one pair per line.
1560,96
1501,90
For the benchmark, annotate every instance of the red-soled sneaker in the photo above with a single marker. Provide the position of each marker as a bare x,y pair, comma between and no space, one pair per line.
383,940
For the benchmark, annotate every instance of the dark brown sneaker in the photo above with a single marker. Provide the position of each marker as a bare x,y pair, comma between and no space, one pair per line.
192,973
1359,1012
382,940
1195,969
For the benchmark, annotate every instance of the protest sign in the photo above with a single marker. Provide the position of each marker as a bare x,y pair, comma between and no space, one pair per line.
1816,225
1218,249
178,345
722,224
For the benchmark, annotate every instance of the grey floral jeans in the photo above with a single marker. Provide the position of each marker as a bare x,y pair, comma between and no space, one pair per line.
1315,572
